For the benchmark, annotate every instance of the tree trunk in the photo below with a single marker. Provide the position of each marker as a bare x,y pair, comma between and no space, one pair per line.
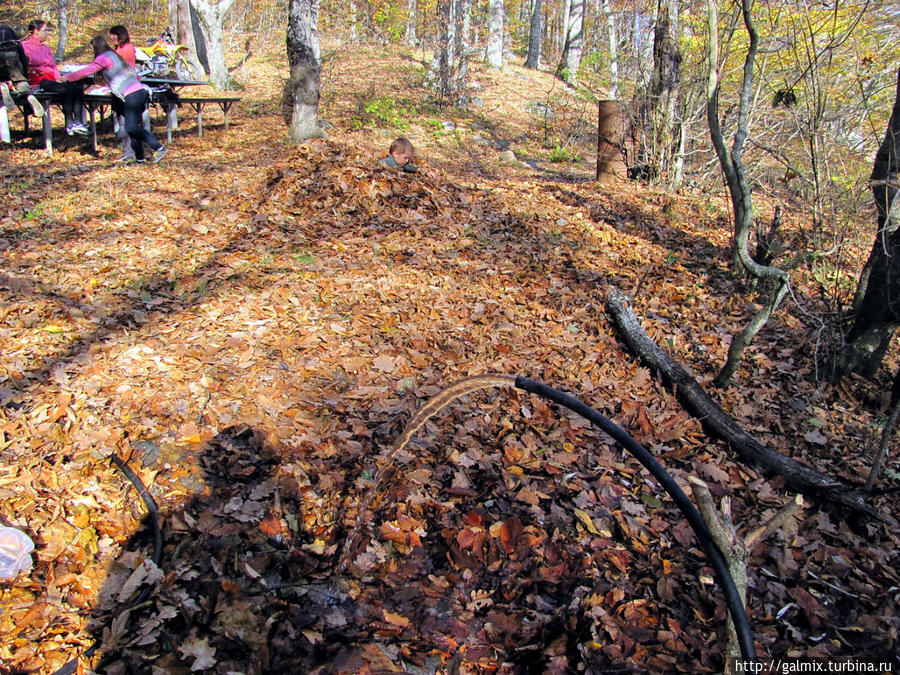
464,25
448,73
563,26
410,36
533,60
612,121
664,86
183,20
462,31
212,17
738,186
304,59
613,50
798,476
878,311
494,52
440,72
62,21
353,9
570,61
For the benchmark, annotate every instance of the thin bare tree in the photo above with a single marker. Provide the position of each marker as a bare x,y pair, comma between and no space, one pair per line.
732,166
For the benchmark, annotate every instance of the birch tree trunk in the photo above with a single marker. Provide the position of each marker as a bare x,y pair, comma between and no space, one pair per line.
439,74
570,61
613,50
212,18
62,22
494,52
533,60
304,58
462,34
563,26
464,28
410,36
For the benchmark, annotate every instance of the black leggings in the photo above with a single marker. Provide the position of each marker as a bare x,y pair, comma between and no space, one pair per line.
133,109
72,97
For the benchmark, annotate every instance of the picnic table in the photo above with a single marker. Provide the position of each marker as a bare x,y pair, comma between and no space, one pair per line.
98,102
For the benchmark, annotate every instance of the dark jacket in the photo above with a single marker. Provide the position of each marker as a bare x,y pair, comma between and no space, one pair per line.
13,62
391,163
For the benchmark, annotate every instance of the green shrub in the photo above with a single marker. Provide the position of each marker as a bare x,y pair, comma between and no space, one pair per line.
385,110
561,154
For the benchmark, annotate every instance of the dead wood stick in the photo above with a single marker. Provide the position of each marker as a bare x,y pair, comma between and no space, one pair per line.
734,548
776,522
798,476
731,545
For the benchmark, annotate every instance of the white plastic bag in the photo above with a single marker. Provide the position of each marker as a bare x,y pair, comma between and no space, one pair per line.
15,552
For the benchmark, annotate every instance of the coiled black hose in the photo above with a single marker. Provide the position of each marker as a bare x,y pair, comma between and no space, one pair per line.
716,559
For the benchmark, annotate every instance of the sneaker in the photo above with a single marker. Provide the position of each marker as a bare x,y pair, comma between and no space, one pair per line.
77,128
36,108
7,99
128,161
159,154
125,159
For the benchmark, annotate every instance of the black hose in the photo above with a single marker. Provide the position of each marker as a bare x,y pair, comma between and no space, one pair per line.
152,511
153,514
723,575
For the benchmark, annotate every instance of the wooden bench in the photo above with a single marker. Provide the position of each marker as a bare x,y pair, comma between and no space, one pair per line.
197,103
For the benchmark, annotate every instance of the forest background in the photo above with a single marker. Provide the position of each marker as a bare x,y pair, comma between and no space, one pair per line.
251,324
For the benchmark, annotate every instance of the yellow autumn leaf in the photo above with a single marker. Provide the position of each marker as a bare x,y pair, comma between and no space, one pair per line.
585,519
396,619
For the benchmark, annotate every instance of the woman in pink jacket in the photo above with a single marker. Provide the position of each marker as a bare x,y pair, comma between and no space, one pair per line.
44,76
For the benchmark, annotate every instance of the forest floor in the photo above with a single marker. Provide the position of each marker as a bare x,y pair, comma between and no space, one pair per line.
251,325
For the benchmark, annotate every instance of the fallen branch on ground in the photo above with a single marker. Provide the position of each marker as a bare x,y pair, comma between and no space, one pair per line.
798,476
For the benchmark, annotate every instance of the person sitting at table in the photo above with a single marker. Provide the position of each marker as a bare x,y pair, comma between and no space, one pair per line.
43,74
13,66
124,84
120,41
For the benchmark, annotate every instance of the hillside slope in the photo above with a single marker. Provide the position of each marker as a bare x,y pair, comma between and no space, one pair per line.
251,325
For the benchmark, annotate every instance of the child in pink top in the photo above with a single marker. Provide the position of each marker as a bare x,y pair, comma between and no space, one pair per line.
125,85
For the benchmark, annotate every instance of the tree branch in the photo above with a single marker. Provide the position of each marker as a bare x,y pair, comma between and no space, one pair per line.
720,424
